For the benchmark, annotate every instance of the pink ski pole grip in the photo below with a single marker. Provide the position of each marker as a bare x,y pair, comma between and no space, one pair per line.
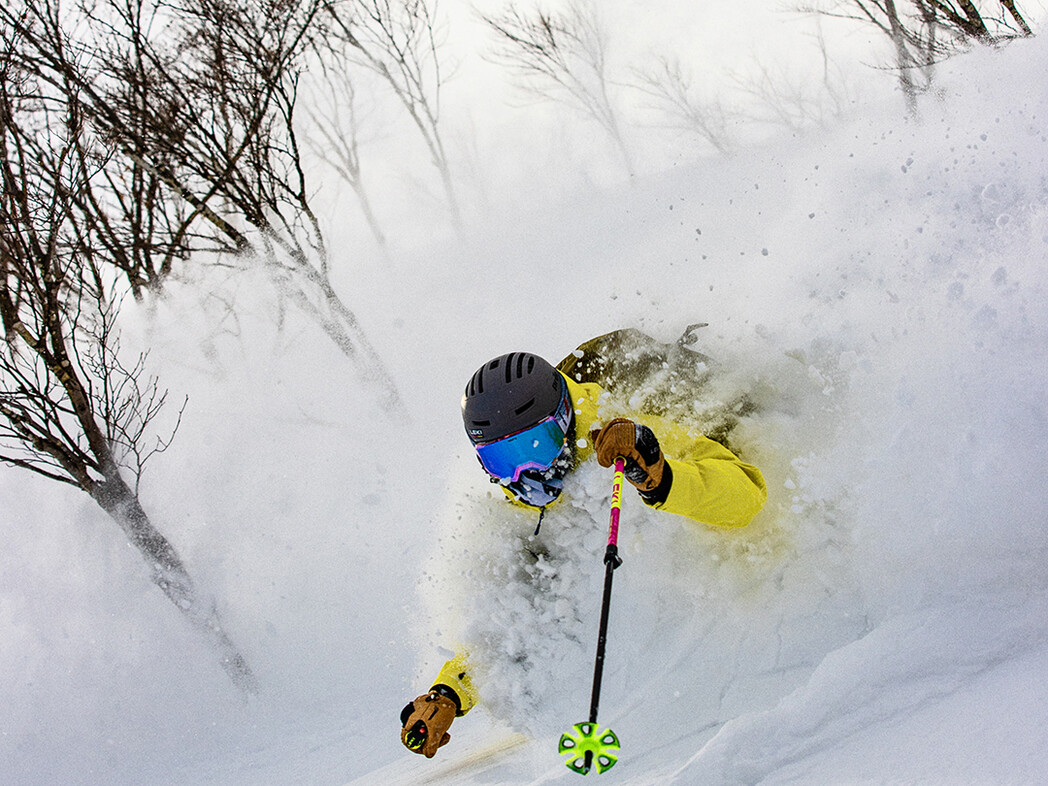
616,502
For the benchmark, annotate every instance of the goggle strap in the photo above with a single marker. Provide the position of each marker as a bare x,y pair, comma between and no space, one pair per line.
542,513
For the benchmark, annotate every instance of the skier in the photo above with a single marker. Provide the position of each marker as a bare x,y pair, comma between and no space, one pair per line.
531,423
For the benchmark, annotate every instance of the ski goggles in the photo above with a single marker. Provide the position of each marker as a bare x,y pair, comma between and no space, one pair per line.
536,447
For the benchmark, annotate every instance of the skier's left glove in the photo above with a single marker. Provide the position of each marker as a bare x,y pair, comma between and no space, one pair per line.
425,722
646,467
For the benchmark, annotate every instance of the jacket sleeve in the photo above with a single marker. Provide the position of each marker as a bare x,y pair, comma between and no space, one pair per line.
455,675
711,484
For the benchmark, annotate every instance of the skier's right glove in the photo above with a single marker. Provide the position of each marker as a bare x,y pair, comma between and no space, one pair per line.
425,722
645,465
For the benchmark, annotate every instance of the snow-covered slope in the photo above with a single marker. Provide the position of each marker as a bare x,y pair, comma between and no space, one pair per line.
878,290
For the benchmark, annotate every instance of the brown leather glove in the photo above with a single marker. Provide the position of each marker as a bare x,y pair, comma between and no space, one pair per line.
425,723
637,444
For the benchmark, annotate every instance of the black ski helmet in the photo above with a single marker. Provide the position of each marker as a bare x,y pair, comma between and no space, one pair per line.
509,394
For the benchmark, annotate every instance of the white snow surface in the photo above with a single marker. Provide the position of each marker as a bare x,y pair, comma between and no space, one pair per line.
878,289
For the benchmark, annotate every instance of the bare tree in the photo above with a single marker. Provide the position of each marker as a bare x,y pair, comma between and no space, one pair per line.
70,410
198,101
563,56
797,102
670,87
958,22
924,32
915,52
397,39
339,144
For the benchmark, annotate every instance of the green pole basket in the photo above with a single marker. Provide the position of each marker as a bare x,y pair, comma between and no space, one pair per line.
587,745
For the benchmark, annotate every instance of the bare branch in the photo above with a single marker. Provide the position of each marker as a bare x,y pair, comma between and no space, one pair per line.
561,56
672,92
397,39
339,142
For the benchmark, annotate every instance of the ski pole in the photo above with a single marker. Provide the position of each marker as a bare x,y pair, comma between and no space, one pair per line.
589,743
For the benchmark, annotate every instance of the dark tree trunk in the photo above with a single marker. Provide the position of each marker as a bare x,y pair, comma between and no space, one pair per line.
1009,5
169,573
904,59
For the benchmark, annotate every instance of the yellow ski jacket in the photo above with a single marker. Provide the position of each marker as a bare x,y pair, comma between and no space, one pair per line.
711,485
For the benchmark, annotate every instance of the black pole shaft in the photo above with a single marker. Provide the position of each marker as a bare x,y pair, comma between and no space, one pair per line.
611,561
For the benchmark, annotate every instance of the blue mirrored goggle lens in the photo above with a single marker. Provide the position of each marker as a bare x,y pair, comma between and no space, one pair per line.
533,448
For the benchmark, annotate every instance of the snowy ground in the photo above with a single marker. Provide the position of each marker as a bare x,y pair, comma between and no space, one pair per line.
878,289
